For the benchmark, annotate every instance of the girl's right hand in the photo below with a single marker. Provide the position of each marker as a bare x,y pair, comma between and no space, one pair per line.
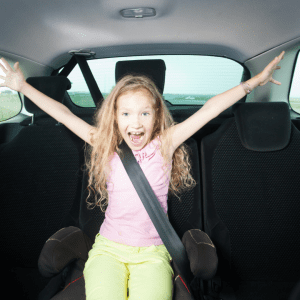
12,79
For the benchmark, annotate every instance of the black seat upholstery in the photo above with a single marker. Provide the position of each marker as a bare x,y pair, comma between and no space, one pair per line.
155,69
40,181
251,188
183,216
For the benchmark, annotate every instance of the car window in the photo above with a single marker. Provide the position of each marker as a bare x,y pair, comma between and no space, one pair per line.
190,79
10,102
294,97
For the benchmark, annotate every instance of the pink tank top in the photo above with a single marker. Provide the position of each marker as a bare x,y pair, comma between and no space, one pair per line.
126,220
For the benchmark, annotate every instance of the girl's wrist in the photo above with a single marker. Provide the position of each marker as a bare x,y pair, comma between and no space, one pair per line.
252,83
23,87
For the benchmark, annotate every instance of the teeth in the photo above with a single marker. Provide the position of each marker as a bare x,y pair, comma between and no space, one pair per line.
140,140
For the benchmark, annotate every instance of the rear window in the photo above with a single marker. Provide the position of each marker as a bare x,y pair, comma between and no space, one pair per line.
190,79
294,97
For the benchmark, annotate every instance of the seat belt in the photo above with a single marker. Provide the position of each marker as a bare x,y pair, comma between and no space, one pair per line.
88,76
79,57
155,211
67,68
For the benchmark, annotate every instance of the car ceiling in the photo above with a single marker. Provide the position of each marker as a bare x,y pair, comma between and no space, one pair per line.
45,31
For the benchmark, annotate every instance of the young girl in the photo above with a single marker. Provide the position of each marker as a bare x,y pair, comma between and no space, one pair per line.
128,251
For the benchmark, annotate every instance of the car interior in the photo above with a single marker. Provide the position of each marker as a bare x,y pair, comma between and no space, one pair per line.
245,161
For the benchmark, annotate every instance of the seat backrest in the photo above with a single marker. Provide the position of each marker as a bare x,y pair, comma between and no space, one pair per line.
153,68
40,179
250,169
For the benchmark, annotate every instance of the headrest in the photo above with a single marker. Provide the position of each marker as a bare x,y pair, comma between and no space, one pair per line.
264,126
155,69
52,86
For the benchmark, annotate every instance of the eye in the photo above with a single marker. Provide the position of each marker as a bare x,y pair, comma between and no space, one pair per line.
143,113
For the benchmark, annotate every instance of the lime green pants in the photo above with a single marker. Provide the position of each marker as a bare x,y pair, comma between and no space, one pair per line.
113,267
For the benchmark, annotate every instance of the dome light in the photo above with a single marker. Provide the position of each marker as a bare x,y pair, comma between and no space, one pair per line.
140,12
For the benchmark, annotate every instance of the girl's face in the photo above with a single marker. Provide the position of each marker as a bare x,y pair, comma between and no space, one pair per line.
135,113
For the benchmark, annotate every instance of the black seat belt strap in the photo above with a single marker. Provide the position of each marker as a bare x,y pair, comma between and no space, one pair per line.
165,230
90,80
67,68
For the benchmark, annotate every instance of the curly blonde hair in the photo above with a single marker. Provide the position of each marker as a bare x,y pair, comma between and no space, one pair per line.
106,139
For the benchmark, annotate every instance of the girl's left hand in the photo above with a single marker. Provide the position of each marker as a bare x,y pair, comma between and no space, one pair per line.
266,75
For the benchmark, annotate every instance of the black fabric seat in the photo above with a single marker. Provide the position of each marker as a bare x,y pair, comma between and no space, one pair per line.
40,182
251,188
184,216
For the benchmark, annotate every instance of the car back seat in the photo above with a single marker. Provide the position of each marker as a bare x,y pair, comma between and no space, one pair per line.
40,182
250,169
183,216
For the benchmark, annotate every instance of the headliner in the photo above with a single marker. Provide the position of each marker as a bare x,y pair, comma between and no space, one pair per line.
44,32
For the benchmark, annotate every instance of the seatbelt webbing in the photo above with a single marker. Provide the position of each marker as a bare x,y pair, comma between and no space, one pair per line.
68,67
90,80
155,211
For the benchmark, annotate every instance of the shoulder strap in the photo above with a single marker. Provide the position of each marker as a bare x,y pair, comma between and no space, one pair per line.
156,213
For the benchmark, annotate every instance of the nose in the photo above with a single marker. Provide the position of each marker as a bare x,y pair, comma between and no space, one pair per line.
136,122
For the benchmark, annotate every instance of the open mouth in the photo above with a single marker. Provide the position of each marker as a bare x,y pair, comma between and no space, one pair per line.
136,139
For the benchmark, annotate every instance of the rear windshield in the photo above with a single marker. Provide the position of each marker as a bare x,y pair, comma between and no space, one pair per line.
190,79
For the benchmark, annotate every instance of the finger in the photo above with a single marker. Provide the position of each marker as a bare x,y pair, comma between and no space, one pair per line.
3,60
2,77
16,65
274,62
3,68
5,63
277,59
275,81
281,55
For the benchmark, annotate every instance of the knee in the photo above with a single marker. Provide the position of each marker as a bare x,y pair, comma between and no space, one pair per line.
153,282
105,278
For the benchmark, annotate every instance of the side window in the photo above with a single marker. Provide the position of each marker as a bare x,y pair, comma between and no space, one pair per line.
10,102
190,79
294,97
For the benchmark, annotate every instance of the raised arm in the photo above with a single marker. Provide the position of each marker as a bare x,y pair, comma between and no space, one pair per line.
223,101
14,79
214,106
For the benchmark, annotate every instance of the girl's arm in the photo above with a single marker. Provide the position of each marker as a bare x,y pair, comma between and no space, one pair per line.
16,81
223,101
214,106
